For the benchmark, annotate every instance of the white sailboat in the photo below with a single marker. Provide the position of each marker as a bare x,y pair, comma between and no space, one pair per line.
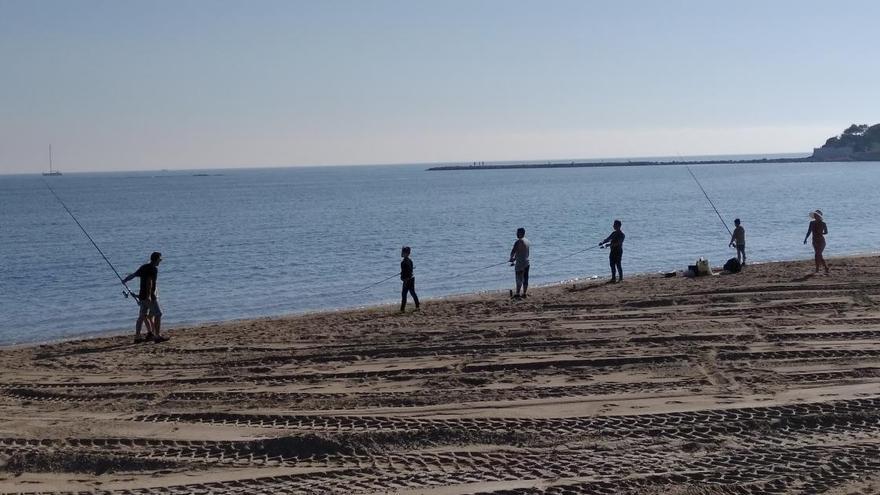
51,172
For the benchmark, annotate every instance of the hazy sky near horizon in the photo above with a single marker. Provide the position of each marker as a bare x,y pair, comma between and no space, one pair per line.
125,85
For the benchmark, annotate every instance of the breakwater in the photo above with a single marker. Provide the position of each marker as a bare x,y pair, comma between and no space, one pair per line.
643,163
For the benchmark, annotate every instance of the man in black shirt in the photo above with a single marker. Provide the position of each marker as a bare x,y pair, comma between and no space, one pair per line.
519,259
615,240
408,279
147,300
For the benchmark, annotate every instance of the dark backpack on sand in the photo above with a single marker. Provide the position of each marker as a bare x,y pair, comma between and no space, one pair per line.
732,266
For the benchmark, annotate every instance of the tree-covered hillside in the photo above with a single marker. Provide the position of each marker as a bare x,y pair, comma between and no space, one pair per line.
859,137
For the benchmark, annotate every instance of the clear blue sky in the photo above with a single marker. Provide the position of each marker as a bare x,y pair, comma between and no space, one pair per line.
117,85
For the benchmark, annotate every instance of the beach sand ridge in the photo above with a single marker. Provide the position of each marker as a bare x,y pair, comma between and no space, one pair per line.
760,382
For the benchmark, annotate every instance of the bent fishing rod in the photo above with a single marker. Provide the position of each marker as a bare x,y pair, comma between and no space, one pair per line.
127,292
546,263
710,199
478,269
377,283
481,268
573,254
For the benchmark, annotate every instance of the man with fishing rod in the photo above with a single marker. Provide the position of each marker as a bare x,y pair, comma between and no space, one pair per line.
738,239
615,257
149,304
519,259
407,278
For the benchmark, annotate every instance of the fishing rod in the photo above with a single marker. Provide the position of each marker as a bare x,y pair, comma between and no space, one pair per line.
478,269
127,291
377,283
572,254
710,200
451,276
493,265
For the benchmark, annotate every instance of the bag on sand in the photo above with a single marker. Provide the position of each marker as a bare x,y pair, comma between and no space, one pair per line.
703,267
732,266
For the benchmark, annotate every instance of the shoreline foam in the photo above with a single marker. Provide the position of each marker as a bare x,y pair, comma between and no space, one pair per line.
99,334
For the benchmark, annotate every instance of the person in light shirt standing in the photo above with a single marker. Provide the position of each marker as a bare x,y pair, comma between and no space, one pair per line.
738,239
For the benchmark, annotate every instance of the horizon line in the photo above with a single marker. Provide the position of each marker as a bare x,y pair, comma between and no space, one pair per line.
431,163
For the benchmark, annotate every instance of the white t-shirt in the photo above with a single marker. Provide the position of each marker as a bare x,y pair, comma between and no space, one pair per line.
521,254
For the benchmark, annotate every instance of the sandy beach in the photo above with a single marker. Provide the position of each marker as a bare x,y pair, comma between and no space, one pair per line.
760,382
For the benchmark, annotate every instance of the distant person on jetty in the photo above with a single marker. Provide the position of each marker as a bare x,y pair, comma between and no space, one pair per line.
738,239
408,279
615,257
519,259
147,300
819,230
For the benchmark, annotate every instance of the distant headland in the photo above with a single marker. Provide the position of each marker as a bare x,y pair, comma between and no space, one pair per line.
857,143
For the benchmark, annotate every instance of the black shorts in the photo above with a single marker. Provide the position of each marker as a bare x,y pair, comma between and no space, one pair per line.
616,255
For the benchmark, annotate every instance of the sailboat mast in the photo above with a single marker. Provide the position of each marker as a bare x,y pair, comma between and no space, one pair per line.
50,158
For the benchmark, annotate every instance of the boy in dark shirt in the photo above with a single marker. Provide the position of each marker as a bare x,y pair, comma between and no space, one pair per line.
615,240
408,279
149,304
519,259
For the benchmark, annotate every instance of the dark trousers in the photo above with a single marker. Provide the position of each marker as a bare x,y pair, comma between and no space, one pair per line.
614,259
409,286
522,280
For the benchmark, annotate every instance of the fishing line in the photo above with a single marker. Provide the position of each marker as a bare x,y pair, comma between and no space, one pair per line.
572,254
377,283
90,239
441,278
493,265
710,200
477,269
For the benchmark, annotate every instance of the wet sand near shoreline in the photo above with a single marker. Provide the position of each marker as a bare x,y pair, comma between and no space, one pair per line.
762,382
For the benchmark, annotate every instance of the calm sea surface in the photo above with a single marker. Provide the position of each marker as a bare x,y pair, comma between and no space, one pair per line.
248,243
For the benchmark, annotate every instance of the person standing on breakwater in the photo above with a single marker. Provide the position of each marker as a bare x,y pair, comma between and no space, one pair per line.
408,279
738,239
615,240
519,259
819,230
149,304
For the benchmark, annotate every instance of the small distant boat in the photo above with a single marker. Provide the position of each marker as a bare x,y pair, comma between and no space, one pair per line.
51,172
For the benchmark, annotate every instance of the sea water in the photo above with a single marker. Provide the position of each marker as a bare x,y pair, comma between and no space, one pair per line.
249,243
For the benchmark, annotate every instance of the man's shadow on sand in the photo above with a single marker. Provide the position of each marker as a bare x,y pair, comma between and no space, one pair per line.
83,350
804,278
588,286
